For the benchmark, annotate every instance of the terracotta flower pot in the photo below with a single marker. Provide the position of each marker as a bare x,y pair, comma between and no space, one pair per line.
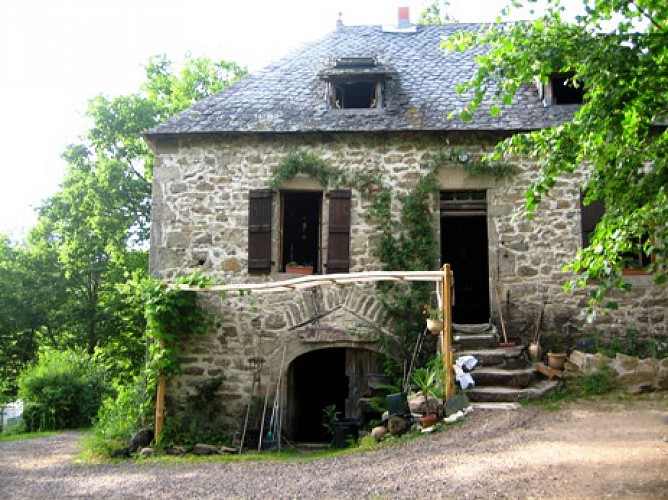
428,420
299,269
556,360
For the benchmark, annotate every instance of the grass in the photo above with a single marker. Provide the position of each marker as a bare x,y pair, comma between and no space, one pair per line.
26,435
293,454
596,386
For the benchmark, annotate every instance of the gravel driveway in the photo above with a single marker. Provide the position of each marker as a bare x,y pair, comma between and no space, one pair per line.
586,450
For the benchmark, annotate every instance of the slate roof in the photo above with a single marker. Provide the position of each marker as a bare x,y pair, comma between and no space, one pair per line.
290,96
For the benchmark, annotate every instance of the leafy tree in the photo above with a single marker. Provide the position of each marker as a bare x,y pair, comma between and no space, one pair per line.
617,139
31,293
64,288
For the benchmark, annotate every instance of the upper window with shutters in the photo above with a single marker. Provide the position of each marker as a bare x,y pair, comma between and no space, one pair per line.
300,239
358,83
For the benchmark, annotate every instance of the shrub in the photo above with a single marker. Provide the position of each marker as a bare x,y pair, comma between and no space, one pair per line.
598,382
63,390
120,417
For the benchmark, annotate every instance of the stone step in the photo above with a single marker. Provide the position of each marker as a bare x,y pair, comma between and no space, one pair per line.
475,340
507,357
495,376
501,394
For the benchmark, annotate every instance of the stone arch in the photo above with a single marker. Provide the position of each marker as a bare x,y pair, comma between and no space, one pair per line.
326,374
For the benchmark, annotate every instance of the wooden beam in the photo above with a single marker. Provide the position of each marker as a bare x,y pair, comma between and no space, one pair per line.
317,280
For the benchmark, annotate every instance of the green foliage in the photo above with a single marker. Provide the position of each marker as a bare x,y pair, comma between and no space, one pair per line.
120,417
63,390
330,416
64,285
598,382
171,314
413,248
619,50
426,381
305,162
17,432
436,13
199,421
174,90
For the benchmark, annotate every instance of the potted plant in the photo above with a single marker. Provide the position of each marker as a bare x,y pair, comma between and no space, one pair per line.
556,355
427,381
294,268
434,320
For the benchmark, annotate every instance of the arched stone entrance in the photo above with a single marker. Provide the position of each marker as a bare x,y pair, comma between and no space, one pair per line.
327,376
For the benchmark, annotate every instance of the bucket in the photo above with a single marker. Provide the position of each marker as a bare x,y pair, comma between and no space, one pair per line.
397,404
344,430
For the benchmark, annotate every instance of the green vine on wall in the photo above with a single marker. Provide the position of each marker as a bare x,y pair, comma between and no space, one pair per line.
171,315
413,247
305,162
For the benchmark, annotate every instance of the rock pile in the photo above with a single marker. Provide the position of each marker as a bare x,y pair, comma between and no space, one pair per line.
638,375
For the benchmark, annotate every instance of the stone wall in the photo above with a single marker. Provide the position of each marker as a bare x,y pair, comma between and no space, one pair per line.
200,221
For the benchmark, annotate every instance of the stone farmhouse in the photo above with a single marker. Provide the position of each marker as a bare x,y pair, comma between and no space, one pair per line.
362,97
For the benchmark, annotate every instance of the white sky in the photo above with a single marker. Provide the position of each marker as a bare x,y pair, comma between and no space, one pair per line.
57,54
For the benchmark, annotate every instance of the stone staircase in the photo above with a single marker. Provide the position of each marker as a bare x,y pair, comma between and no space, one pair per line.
503,374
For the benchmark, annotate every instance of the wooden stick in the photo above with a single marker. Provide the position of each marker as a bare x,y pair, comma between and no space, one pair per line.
446,334
264,414
498,303
279,388
160,401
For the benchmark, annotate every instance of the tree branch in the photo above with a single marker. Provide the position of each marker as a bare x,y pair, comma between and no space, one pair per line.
647,15
136,172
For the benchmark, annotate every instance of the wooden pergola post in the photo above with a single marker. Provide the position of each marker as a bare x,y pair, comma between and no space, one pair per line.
446,334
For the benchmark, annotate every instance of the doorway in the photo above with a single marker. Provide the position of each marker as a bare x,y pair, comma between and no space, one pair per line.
465,246
318,379
300,222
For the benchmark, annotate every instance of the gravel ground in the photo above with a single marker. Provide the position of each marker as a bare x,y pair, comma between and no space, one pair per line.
586,450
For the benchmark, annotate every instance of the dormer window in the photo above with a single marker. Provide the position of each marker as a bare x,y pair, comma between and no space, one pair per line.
561,89
355,83
356,95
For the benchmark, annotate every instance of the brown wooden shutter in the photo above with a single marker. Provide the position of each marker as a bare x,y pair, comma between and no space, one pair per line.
259,231
590,215
338,249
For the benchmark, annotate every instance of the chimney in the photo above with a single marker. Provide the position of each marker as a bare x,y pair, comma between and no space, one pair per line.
404,18
339,21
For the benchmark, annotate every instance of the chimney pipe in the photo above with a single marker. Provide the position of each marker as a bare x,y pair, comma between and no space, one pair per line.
404,18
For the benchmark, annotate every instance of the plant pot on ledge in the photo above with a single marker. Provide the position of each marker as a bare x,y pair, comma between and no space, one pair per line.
435,326
297,269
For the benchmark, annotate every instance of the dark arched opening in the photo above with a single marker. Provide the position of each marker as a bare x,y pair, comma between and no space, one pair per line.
318,379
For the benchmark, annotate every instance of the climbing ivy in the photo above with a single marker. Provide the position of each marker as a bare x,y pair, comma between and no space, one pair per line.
413,248
305,162
171,315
